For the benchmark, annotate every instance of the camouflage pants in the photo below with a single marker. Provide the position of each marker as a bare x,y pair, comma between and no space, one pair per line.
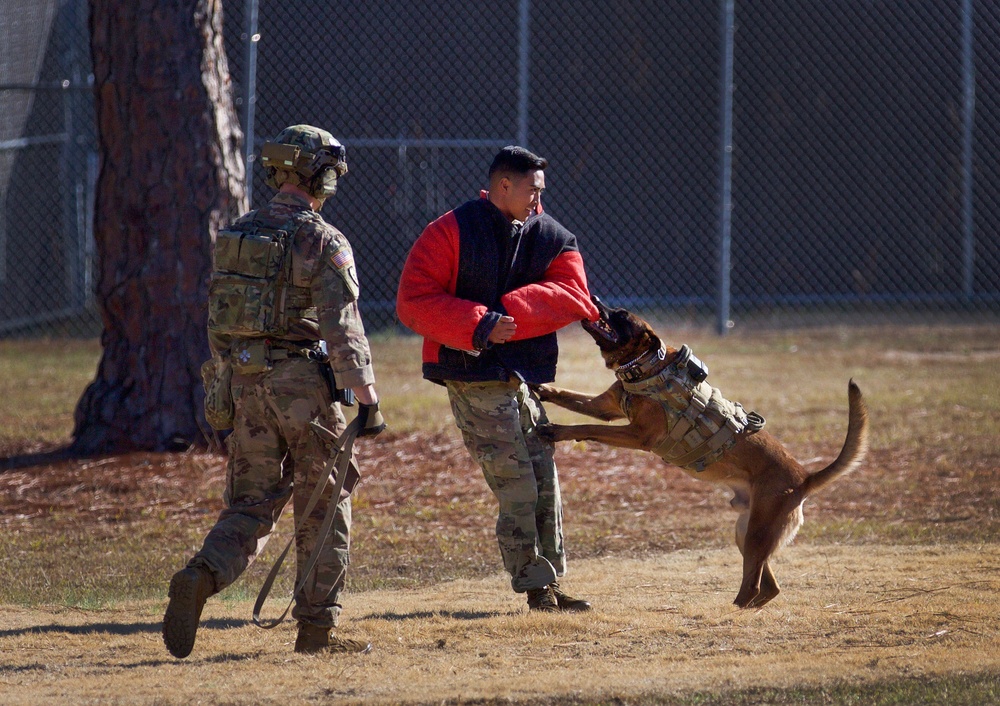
273,456
498,422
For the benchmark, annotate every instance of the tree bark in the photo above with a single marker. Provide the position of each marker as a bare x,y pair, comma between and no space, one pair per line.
171,174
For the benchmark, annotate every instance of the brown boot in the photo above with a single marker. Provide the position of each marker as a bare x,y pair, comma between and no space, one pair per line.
189,589
541,600
567,602
313,639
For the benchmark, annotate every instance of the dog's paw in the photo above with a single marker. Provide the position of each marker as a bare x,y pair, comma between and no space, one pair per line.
542,391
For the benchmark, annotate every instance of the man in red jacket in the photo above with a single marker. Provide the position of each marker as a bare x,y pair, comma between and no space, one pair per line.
487,285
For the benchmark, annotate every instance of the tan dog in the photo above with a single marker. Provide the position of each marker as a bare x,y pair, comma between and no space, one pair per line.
768,484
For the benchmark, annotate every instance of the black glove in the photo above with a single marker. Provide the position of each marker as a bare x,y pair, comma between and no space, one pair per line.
372,421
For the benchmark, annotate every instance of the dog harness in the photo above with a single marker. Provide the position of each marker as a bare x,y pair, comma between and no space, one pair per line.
701,424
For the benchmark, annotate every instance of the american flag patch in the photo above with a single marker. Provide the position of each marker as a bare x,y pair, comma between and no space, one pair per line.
341,258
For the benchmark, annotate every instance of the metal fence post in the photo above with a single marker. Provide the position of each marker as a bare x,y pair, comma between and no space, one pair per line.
523,75
968,125
726,172
250,90
68,24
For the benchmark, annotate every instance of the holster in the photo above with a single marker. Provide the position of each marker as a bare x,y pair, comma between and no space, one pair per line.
344,397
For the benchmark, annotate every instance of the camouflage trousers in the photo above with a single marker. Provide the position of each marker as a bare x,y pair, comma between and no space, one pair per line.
498,421
274,455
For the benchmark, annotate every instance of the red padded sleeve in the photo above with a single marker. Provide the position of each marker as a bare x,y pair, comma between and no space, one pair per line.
559,299
425,300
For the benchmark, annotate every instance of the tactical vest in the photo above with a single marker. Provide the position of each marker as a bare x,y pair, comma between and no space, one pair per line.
701,424
251,293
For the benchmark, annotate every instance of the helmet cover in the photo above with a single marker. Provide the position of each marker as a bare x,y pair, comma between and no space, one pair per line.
306,156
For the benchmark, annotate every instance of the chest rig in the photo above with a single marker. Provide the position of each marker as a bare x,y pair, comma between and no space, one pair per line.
251,293
701,424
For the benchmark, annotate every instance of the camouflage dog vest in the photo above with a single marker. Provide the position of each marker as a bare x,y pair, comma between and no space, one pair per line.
701,424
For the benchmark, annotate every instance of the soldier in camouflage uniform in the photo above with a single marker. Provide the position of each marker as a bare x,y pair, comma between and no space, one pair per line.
283,291
488,285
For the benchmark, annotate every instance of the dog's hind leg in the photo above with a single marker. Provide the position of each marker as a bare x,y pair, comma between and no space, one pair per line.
753,570
768,588
741,502
757,539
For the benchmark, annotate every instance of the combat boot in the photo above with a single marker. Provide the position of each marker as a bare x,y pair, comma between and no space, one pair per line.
567,602
312,639
541,600
189,589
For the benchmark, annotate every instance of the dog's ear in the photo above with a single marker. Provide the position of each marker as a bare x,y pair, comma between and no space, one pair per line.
621,336
635,335
650,339
639,330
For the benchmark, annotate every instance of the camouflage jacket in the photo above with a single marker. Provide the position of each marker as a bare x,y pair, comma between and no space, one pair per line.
323,264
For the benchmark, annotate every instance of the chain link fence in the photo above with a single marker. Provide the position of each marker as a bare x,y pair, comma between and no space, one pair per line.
48,168
768,163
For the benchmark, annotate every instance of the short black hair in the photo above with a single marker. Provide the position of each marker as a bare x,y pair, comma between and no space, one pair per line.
516,160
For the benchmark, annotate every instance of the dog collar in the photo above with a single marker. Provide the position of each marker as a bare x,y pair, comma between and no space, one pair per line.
644,367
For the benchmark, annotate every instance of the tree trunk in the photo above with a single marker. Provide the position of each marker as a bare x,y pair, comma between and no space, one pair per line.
171,174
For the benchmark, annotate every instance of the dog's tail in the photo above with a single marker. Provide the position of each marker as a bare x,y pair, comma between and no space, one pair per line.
855,446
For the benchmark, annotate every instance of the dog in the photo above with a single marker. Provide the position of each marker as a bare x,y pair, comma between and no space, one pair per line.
768,484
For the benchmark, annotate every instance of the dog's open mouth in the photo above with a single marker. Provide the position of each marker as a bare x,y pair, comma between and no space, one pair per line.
601,330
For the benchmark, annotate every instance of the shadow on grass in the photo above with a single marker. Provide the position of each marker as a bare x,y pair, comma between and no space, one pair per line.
226,658
40,458
118,628
424,614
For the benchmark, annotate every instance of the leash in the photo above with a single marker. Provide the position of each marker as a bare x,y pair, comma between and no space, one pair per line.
339,464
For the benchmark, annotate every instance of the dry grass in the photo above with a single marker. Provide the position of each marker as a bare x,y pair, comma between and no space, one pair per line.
856,618
889,595
40,382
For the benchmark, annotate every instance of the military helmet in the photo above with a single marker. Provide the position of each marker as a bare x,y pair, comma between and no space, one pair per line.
306,156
